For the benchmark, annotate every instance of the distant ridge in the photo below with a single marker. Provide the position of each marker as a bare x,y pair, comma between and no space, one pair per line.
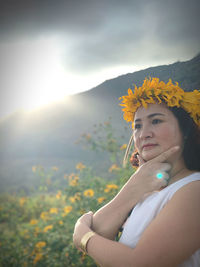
48,136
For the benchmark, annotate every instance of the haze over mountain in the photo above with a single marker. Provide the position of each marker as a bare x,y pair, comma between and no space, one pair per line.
48,136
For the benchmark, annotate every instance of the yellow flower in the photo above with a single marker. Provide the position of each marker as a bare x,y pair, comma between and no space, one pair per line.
54,168
44,216
33,221
47,228
80,166
112,186
73,179
76,197
22,201
73,182
34,168
37,258
101,199
109,187
88,193
40,244
53,210
124,146
114,167
67,209
155,91
58,196
61,222
72,199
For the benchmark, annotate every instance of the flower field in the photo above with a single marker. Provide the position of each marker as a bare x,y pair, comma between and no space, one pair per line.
37,229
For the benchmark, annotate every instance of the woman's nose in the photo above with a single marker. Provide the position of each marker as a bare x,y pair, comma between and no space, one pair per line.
145,133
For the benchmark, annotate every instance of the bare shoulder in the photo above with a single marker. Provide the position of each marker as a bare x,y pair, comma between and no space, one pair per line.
175,230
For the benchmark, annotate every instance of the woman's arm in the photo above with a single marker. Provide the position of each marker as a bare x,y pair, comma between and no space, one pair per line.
108,220
171,238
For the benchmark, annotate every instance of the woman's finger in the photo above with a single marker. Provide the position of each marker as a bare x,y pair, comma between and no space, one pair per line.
165,155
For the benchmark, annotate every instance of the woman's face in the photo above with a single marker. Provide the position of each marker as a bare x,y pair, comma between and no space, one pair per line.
156,130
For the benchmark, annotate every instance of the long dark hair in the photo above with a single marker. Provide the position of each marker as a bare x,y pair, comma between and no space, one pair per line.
191,136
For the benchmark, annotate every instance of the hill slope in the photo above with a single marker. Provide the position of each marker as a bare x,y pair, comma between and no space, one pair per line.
48,136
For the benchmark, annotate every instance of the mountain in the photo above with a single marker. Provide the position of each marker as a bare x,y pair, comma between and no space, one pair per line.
48,136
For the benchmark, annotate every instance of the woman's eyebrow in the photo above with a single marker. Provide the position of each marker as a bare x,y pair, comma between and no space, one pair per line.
151,115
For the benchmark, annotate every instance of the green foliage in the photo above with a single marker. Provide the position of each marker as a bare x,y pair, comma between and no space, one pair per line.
37,230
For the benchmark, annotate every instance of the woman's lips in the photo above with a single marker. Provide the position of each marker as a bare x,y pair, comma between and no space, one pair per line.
148,146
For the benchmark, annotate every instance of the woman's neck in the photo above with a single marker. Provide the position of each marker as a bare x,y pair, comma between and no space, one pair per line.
179,171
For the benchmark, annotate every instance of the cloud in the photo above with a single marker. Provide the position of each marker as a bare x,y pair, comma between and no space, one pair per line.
95,36
101,34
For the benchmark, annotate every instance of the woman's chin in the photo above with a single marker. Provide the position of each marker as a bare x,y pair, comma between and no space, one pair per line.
148,155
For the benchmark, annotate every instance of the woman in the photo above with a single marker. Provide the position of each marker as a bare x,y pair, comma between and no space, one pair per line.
162,197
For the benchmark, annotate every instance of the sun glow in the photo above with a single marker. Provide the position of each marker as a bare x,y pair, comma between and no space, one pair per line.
37,73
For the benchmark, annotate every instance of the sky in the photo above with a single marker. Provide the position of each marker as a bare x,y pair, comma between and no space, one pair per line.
51,49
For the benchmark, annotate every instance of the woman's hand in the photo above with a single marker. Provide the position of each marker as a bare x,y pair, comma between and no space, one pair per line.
82,226
154,174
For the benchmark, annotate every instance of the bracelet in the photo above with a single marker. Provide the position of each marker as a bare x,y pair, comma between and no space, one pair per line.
85,240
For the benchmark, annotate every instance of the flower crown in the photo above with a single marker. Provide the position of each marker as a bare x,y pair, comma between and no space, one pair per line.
154,91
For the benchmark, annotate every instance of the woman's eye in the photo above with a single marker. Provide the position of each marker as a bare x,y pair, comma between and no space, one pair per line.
156,121
137,126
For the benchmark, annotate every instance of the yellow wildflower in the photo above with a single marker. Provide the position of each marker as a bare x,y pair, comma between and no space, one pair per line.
88,193
34,168
58,195
37,258
61,222
44,216
47,228
53,210
109,187
112,186
72,199
73,182
80,166
114,167
67,209
40,244
124,146
33,221
155,91
54,168
22,201
101,199
73,179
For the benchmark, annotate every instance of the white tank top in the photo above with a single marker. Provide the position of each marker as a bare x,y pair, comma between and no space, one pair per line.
145,211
